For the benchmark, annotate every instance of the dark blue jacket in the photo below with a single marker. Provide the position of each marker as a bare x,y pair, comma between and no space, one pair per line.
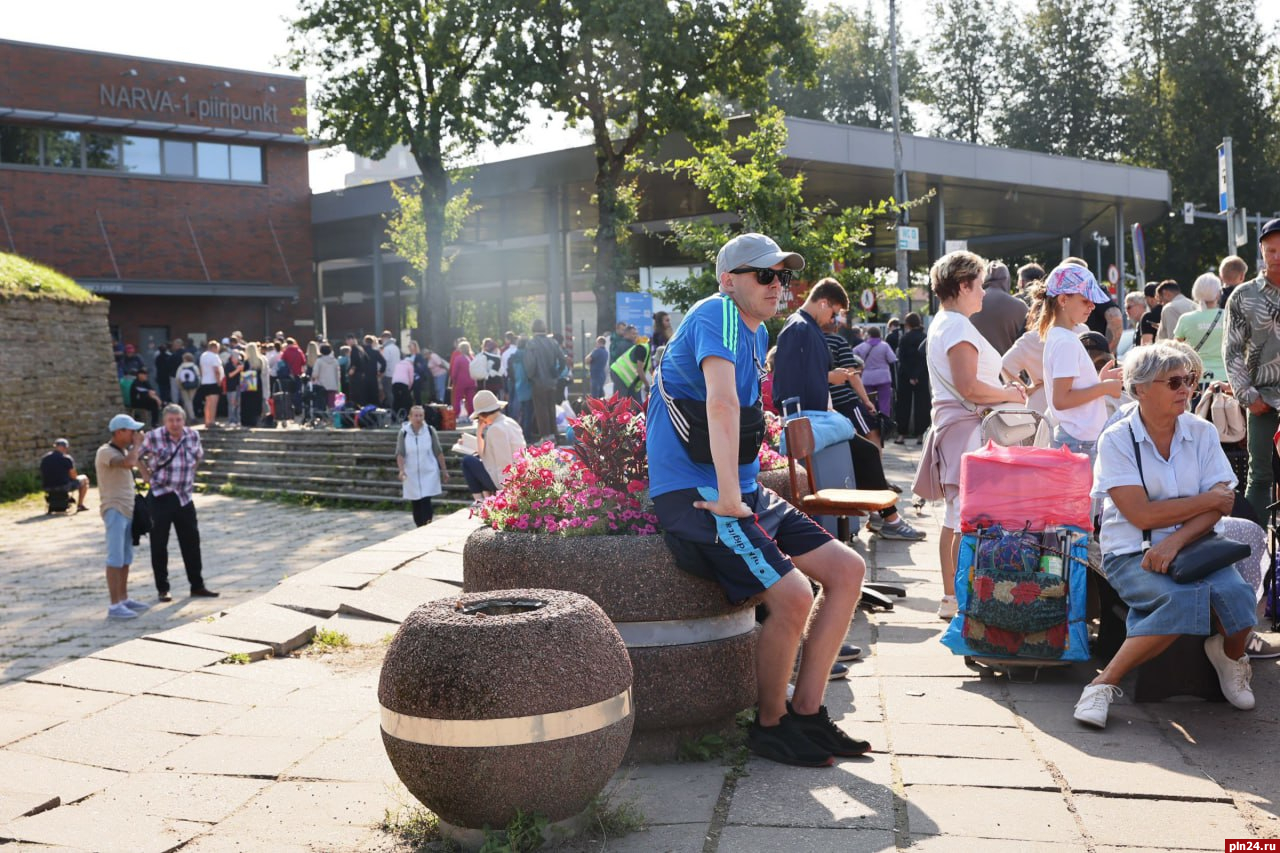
801,364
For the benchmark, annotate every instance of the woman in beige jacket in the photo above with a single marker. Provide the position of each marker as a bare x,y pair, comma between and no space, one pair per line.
499,439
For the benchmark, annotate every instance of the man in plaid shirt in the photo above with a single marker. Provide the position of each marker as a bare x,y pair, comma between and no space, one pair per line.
170,455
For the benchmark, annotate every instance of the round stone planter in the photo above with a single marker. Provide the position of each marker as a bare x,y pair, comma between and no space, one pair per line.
779,480
506,700
693,653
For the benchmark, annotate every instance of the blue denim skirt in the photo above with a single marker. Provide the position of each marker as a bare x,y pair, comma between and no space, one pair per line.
1159,605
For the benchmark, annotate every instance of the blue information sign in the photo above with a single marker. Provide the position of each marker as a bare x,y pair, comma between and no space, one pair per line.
636,309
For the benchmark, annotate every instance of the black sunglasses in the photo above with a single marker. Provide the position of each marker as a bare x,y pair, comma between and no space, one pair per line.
765,275
1177,382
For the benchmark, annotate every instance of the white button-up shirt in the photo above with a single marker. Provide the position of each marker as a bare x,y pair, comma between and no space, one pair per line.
1196,464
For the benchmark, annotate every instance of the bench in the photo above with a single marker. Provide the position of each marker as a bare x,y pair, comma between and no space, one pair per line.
1181,670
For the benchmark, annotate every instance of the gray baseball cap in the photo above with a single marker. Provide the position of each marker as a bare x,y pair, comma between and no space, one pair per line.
754,250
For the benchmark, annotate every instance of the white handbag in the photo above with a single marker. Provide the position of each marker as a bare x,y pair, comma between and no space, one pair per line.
1224,412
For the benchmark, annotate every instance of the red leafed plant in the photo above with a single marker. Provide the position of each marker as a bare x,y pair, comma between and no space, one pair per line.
609,442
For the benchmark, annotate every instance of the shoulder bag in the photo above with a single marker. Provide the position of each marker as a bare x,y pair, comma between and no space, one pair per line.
1007,424
140,525
1196,560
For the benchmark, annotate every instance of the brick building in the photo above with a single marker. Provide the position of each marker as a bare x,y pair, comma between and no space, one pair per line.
178,192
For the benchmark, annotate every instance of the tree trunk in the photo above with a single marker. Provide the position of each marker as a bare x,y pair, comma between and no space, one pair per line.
433,300
609,257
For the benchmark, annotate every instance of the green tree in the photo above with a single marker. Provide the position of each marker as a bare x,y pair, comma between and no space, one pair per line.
851,84
1198,73
407,228
1061,91
745,177
966,68
636,71
438,76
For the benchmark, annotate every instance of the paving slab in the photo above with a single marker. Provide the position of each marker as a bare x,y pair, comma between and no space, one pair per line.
103,829
20,771
161,655
322,601
16,804
106,676
234,755
16,725
184,796
1128,761
931,700
671,793
959,741
664,838
437,565
960,844
204,687
975,772
853,793
1165,824
187,635
361,631
372,604
339,815
101,744
769,839
266,721
345,760
417,590
167,714
982,813
283,672
280,628
331,578
374,559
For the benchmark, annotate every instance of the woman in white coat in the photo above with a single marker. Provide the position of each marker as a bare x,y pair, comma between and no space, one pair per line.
421,463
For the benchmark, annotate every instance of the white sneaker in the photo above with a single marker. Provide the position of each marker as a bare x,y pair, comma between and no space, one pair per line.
948,608
136,606
119,611
1233,675
1094,701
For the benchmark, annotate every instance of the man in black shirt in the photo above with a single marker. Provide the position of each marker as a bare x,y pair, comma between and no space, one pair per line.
143,396
58,473
1149,326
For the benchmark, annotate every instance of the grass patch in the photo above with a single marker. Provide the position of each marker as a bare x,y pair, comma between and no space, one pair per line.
523,834
18,485
327,638
21,278
237,658
613,820
415,826
705,748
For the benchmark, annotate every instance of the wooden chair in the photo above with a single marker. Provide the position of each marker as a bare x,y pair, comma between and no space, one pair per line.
842,503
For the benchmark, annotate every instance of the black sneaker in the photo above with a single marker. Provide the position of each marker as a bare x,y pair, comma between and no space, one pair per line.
785,743
849,652
838,671
827,735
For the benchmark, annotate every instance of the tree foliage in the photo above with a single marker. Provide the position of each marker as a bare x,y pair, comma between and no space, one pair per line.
1060,94
851,83
636,71
439,76
965,67
407,228
744,176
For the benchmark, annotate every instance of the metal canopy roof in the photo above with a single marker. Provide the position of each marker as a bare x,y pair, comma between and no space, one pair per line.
1003,201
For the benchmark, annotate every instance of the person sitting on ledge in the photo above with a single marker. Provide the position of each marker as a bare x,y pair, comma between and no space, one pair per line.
720,523
1162,475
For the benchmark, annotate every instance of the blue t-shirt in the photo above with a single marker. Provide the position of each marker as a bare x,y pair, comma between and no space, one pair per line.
712,327
598,360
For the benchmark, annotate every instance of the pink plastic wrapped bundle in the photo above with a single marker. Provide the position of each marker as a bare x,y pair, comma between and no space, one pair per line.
1013,485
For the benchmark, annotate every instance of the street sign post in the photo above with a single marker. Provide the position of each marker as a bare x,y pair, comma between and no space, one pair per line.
1140,256
868,299
1227,194
908,238
1113,275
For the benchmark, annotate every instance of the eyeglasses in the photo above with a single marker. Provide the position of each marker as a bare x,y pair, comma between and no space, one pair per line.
765,275
1177,382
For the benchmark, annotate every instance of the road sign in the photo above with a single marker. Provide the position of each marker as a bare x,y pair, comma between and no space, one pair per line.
636,309
1240,227
957,246
868,299
1224,175
1113,274
908,238
1139,249
1188,213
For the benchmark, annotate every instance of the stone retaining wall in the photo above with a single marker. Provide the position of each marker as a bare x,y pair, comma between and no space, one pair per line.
57,379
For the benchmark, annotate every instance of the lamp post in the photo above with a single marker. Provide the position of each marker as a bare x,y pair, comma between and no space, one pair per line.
899,177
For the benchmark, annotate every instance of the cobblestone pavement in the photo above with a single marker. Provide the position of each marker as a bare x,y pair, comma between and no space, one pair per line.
53,590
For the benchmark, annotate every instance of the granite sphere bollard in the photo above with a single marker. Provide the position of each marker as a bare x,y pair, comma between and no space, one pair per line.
693,653
506,700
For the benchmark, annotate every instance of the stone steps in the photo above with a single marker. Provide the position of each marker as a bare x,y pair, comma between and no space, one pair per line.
347,465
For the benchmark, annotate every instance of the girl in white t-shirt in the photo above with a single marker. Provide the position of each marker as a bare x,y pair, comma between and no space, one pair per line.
1074,388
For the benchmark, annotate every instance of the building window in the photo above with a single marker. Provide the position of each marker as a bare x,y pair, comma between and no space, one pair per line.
142,155
179,158
246,163
101,151
20,145
62,149
213,161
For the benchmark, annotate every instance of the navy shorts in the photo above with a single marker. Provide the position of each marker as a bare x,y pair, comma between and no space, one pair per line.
745,556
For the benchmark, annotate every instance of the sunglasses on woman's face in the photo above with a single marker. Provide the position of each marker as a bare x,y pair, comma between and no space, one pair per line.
765,275
1177,382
